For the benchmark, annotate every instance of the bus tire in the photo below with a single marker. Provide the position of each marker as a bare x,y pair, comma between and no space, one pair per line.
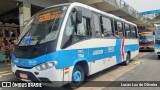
127,59
77,76
158,56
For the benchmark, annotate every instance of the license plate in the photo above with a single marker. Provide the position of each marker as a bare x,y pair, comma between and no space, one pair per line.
23,76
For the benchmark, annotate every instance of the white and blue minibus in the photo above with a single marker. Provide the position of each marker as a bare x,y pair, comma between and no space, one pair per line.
157,40
67,42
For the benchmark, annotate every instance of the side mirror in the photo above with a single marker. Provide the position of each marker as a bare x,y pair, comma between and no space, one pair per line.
78,17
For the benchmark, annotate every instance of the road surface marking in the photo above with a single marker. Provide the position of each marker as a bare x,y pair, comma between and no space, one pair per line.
4,72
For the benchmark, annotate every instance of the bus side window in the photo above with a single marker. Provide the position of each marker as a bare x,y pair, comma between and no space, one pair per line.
127,31
133,32
118,29
106,27
83,30
97,25
68,32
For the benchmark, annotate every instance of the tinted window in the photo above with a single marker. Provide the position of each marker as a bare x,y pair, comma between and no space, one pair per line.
106,26
43,27
83,30
72,35
68,32
97,25
158,32
127,31
118,29
133,32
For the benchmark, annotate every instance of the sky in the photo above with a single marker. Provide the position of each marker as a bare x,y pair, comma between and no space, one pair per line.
144,5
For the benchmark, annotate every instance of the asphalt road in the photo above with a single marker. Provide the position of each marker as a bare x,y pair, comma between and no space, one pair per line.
148,71
145,67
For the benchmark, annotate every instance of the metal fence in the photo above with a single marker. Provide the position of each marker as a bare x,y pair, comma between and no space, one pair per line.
128,9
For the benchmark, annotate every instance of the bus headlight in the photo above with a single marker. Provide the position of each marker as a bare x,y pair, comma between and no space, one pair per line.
46,65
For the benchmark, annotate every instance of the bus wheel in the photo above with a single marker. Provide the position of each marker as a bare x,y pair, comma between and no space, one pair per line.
77,76
127,59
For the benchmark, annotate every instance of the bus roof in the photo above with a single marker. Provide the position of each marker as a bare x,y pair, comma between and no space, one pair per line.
93,9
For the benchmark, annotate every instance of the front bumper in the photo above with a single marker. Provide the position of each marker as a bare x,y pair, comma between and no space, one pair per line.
146,47
157,51
49,77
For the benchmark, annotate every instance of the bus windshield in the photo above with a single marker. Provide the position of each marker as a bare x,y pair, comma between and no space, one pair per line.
147,38
42,27
158,33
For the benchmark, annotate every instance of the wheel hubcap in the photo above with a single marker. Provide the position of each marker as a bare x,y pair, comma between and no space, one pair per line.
77,76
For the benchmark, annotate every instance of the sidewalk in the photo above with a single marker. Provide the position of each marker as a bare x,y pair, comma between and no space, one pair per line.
147,71
3,64
5,70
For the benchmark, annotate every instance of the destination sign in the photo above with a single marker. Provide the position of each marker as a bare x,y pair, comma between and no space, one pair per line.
50,16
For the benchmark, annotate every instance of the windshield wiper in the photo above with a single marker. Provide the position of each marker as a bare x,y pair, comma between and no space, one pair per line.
38,42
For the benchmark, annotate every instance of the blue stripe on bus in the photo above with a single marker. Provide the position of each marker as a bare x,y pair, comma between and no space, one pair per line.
117,51
157,45
23,62
67,58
